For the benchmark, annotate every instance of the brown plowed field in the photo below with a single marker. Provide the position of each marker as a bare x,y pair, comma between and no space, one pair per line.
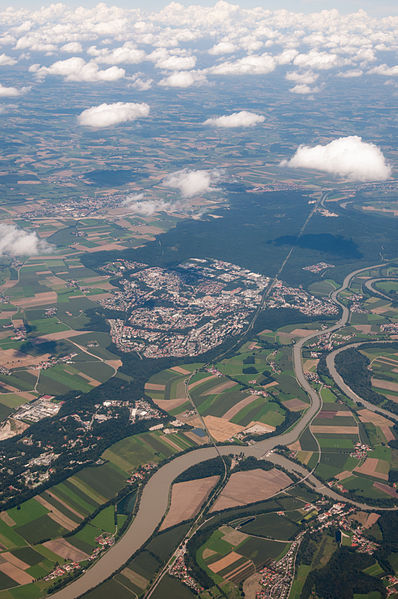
15,561
386,489
154,387
295,405
197,383
186,500
62,335
180,370
56,515
239,406
334,430
378,420
39,299
66,550
224,562
15,573
389,385
169,404
373,467
220,429
12,358
220,388
251,486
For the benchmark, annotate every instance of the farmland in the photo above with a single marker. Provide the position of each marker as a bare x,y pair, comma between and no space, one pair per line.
67,521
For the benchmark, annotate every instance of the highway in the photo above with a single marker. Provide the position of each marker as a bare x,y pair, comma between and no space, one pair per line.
369,286
156,491
330,363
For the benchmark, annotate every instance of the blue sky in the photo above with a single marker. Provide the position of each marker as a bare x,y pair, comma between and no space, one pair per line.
388,7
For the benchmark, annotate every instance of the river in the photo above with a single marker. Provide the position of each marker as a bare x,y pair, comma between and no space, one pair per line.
154,499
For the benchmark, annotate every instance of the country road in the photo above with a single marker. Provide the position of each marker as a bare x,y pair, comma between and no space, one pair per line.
155,494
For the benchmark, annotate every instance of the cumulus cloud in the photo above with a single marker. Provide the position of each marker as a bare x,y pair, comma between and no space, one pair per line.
106,115
11,92
350,74
126,54
6,61
72,48
306,77
253,64
176,63
17,242
192,183
303,89
77,69
182,79
317,60
346,156
236,119
385,70
137,204
141,83
223,47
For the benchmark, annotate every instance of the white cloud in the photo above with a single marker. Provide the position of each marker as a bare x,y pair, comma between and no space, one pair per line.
11,92
317,60
182,79
287,56
17,242
385,70
248,65
141,83
76,69
72,48
192,183
346,156
222,48
306,77
317,41
176,63
236,119
106,115
126,54
6,61
350,74
137,204
303,89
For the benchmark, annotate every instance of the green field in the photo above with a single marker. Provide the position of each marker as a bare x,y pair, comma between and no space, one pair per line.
260,550
271,525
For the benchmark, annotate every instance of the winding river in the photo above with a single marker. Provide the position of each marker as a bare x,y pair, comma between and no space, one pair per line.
155,494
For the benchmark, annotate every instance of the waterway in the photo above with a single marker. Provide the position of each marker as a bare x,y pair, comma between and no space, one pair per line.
155,494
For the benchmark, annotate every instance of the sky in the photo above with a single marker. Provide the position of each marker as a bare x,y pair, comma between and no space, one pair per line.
372,7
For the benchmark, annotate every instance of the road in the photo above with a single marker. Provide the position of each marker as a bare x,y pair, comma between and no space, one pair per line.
156,491
369,286
330,363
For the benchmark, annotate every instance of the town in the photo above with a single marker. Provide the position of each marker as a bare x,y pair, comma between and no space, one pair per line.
193,308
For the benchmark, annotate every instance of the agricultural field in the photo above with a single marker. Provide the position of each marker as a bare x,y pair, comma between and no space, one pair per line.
384,371
232,555
47,346
250,486
40,532
255,386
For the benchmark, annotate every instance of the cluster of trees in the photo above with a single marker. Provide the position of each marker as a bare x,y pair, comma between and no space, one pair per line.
343,577
252,463
308,547
354,368
204,469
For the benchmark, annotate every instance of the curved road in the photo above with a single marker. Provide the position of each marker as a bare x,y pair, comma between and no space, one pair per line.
154,498
369,286
338,379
